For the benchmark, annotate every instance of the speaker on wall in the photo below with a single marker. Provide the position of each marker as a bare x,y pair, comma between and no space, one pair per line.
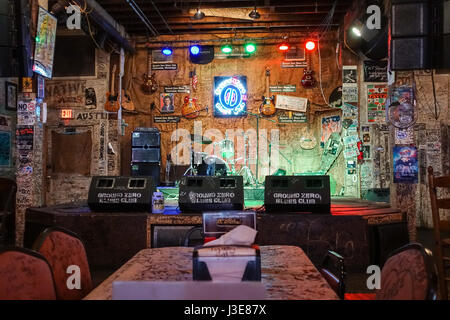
410,35
441,34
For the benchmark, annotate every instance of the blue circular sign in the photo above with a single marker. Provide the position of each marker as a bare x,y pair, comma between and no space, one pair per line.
230,97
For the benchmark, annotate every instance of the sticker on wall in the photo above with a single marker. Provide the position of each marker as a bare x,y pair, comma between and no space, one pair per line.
405,164
329,125
376,103
350,93
375,71
401,110
90,98
349,75
404,136
366,138
366,152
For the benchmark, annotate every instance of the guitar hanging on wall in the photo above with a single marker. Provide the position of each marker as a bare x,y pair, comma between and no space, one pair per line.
149,86
190,110
308,80
267,106
112,103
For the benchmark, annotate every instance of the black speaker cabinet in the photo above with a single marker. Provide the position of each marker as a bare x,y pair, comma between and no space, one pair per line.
208,193
206,55
146,138
410,53
297,194
125,194
410,18
146,155
142,169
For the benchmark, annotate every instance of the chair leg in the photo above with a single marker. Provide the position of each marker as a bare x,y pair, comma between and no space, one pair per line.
441,272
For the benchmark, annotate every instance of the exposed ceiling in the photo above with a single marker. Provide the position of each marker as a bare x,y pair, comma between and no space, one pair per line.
224,16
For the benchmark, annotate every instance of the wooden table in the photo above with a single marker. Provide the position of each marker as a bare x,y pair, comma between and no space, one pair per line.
286,272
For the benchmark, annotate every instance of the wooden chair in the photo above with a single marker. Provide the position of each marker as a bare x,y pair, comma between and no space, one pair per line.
62,249
8,190
409,274
440,226
25,275
333,270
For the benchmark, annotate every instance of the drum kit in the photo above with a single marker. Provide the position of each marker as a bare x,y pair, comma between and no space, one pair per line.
203,164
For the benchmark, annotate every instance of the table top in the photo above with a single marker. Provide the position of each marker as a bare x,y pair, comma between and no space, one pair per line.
287,272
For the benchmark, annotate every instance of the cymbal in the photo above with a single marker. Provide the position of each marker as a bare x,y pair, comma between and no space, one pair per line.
200,139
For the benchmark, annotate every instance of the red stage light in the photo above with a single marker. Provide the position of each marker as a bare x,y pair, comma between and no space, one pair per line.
310,45
283,47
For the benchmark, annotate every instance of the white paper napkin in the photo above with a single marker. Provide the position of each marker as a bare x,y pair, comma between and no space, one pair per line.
241,235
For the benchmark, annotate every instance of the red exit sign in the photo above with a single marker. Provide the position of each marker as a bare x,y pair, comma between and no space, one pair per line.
67,114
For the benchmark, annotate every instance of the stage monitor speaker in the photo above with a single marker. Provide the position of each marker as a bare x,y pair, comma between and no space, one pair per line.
208,193
205,56
146,155
297,194
119,193
146,137
142,169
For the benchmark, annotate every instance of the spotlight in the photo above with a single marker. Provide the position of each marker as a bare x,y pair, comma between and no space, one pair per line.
250,48
254,14
195,50
199,15
226,48
283,46
356,32
167,51
310,45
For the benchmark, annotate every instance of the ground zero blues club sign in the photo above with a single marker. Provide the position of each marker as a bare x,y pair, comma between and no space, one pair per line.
230,96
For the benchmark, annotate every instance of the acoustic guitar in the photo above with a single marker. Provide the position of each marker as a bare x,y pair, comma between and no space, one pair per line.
267,107
149,86
308,80
112,103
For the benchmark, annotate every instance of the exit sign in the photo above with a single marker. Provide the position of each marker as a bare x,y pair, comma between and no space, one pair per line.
67,114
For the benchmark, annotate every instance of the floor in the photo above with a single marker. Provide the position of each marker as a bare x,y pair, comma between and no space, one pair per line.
356,282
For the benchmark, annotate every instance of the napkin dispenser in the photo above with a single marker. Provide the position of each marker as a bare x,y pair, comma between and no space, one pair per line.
226,263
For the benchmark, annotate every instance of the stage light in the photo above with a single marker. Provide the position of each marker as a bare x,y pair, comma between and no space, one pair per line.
254,14
226,48
356,32
250,48
283,46
199,15
166,51
310,45
195,50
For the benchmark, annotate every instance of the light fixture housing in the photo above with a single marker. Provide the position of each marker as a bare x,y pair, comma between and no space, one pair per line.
310,45
254,14
199,15
167,51
250,47
284,46
194,49
226,48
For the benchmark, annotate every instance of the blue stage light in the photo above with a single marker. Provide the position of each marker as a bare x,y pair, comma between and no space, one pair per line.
195,50
167,51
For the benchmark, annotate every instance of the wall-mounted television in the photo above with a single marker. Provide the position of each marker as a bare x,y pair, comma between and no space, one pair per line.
44,50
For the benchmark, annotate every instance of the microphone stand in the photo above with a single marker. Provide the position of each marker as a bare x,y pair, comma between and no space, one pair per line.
257,116
279,151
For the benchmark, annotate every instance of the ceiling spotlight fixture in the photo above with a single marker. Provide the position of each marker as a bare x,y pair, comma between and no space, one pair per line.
357,32
227,48
199,15
166,51
284,46
310,45
250,48
254,14
195,49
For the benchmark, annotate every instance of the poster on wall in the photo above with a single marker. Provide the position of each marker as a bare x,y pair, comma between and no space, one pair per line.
405,164
376,103
166,103
401,110
329,125
230,96
45,43
375,71
66,94
349,75
5,149
404,136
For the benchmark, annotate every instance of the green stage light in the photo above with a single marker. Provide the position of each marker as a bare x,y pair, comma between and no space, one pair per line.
226,48
250,48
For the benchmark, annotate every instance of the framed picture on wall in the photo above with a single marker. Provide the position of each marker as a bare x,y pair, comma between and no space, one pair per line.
11,96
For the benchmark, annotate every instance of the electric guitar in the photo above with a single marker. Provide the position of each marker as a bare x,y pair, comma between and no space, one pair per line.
190,110
149,86
308,80
267,107
112,103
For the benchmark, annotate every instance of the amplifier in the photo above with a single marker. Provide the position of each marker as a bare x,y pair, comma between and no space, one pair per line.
146,155
297,194
121,193
146,137
202,193
146,169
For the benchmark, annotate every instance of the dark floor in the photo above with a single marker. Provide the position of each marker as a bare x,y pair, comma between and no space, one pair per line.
356,282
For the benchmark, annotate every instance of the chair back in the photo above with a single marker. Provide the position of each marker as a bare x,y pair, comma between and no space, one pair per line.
333,270
437,204
25,275
8,190
67,257
409,274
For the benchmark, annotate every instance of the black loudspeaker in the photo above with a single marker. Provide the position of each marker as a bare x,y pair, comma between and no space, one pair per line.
121,193
410,35
146,155
208,193
146,137
297,194
205,56
441,35
152,169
